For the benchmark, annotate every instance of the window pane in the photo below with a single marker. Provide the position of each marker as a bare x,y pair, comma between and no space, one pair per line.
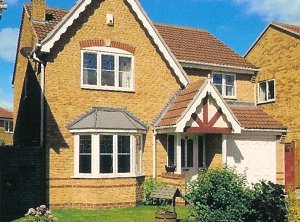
90,68
271,93
200,152
190,153
183,153
85,148
125,64
262,91
124,144
108,70
124,72
217,79
11,126
171,149
123,154
90,77
219,88
230,91
89,60
138,153
106,154
229,80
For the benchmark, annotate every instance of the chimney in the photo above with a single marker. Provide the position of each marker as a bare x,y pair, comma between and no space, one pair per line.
38,10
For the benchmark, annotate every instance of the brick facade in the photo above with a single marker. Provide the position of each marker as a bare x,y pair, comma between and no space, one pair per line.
277,53
6,137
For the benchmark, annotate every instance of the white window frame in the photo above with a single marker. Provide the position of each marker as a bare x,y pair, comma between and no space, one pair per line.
8,126
224,84
95,159
259,101
117,53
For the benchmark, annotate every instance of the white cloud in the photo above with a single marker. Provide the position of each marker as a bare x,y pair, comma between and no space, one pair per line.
8,43
13,2
274,10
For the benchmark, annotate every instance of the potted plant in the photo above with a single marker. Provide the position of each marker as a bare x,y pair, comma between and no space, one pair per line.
170,168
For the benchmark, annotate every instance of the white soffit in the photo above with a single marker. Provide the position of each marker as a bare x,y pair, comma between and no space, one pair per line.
80,6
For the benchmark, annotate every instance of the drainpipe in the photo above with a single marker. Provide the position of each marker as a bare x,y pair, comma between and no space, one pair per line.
42,103
154,152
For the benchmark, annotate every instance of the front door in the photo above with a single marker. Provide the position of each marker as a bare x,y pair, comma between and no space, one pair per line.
188,158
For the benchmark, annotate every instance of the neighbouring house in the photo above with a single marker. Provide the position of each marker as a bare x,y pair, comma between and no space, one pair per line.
113,98
6,126
277,52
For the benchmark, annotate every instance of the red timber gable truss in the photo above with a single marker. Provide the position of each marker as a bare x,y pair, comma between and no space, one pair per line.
209,120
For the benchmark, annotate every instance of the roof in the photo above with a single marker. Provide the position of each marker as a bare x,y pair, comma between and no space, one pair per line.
248,115
5,114
196,45
253,117
187,44
108,118
180,104
293,30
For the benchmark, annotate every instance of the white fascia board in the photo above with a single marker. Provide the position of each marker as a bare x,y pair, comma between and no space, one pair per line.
137,8
165,129
267,131
217,67
62,26
209,88
99,131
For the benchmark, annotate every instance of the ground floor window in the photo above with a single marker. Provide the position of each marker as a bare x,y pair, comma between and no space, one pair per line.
99,155
8,126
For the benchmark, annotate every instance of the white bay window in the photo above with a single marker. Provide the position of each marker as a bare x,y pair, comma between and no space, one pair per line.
107,68
107,155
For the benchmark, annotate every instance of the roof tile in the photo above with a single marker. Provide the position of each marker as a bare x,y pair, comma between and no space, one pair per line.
5,114
293,28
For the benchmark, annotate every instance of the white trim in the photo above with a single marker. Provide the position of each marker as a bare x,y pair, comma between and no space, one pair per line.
217,67
121,131
224,149
154,154
80,6
42,80
209,88
268,131
178,153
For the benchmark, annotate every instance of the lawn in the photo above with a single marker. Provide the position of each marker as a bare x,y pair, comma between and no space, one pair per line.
137,214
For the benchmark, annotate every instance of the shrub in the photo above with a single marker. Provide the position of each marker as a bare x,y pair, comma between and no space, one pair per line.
219,195
268,203
2,143
40,214
147,187
293,208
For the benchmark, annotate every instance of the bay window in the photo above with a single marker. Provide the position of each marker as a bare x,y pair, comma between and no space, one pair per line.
107,155
107,68
225,83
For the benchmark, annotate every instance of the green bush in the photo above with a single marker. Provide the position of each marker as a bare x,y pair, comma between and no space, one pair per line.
147,187
2,143
268,203
219,195
223,195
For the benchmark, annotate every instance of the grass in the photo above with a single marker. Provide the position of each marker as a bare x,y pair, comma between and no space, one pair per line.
137,214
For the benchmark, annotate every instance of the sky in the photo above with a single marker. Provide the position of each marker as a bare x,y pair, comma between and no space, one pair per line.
237,23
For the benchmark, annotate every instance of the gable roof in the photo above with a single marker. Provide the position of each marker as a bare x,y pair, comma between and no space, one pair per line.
292,30
179,112
248,116
5,114
199,46
105,118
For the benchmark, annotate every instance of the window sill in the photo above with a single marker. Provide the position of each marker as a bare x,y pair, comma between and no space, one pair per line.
229,98
265,102
115,176
107,88
8,132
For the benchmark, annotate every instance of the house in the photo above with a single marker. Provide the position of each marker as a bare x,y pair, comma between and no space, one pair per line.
113,97
277,52
6,126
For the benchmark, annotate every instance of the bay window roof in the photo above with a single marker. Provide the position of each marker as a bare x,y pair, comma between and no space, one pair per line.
105,118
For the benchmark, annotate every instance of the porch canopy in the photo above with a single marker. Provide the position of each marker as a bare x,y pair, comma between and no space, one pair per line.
199,108
108,119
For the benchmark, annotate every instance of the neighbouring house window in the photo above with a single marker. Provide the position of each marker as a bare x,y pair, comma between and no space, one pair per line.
266,91
109,155
171,150
106,68
8,126
225,83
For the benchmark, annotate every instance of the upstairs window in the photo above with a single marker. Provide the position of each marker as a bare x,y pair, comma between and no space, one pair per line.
266,91
225,83
107,68
8,126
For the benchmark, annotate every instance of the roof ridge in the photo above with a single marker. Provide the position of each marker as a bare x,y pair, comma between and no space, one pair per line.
180,26
6,109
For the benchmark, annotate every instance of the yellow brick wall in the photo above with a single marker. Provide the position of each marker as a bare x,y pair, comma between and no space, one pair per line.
244,87
278,56
155,84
